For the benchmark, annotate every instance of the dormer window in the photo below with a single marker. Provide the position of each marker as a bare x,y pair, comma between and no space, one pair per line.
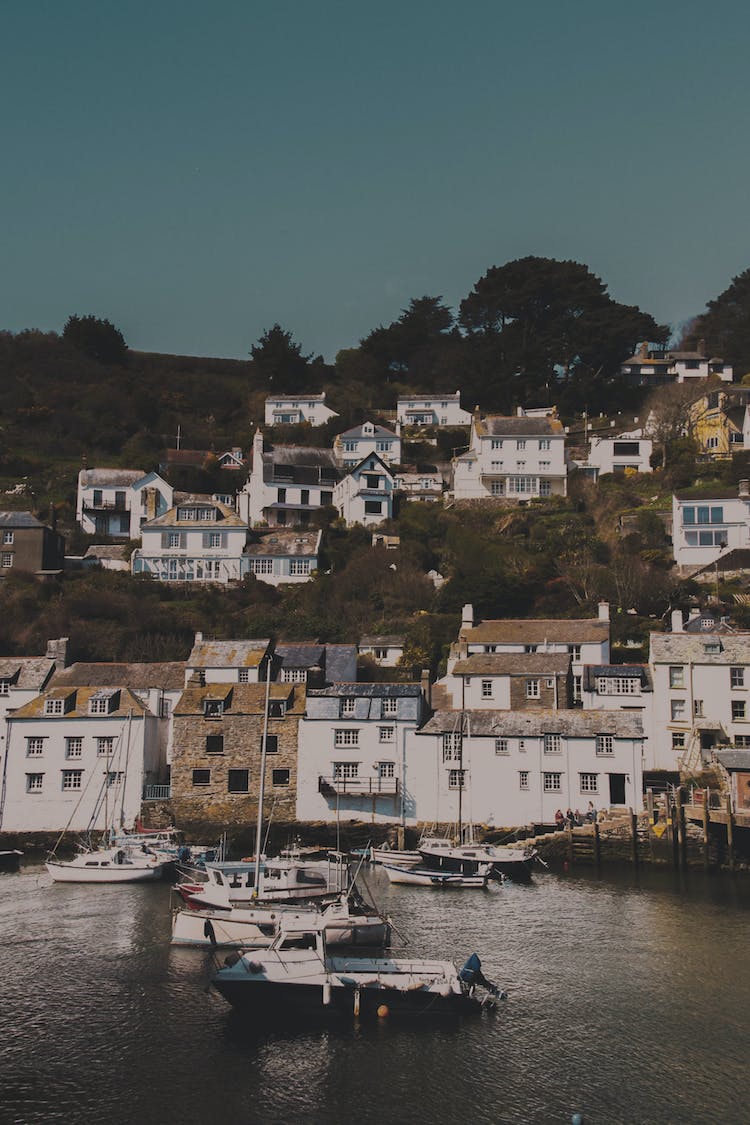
4,687
348,706
213,708
276,708
712,648
102,703
53,707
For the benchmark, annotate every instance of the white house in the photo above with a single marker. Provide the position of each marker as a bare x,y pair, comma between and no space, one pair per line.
117,502
432,410
23,677
420,484
351,754
627,451
284,556
653,366
228,662
197,541
288,485
289,410
514,458
708,523
365,494
701,683
314,664
385,650
509,768
351,447
618,687
78,758
509,681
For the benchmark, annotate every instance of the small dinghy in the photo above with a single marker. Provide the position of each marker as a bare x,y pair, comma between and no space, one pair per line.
109,865
425,877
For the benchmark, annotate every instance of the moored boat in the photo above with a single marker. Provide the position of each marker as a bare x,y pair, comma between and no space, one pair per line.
467,859
108,865
10,860
428,877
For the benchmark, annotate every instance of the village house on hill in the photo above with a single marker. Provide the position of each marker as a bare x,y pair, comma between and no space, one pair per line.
657,366
432,410
358,443
27,544
116,502
290,410
512,458
719,422
199,540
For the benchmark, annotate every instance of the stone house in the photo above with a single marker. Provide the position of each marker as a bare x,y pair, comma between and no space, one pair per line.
218,739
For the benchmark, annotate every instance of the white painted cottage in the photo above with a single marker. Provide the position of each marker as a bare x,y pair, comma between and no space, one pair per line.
351,447
116,502
197,541
290,410
514,458
432,410
707,523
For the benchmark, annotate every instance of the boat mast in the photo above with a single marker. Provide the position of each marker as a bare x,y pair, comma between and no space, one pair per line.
261,787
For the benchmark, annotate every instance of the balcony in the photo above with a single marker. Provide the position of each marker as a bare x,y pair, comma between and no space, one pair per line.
104,506
157,792
358,786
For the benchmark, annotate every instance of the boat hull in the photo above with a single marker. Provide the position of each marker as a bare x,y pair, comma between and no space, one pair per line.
211,930
266,1000
425,877
68,873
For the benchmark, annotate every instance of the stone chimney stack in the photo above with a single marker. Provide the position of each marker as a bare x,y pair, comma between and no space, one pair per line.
744,488
426,686
677,626
257,449
198,638
643,351
58,651
467,617
604,611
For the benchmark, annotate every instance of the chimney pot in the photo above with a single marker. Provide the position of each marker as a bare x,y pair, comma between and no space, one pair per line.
467,616
604,611
744,488
677,626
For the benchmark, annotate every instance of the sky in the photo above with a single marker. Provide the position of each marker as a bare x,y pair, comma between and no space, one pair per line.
196,172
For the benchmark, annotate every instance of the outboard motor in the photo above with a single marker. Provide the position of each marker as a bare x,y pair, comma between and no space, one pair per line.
471,975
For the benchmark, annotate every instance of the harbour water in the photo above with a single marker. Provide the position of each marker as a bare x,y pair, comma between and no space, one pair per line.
628,1002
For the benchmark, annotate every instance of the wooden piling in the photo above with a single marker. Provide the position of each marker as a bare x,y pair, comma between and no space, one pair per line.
651,822
680,818
570,844
730,833
633,836
597,845
706,834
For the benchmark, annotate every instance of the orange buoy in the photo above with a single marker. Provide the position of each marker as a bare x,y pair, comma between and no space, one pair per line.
383,1011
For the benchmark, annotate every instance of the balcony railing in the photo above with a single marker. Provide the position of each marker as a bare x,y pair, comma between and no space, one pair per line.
157,792
359,786
105,506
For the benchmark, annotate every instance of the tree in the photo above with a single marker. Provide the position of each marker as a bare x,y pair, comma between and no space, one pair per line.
280,363
668,412
410,345
96,338
725,326
545,322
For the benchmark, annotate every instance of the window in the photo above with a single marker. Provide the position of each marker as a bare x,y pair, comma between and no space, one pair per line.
522,486
589,782
545,443
451,746
575,653
486,689
294,675
7,537
326,499
345,771
279,777
105,746
386,734
738,710
523,779
201,777
678,740
742,741
373,507
299,566
390,706
213,708
261,566
521,443
53,707
281,496
497,487
618,685
348,706
4,687
605,745
34,782
101,703
502,746
522,745
520,465
272,744
532,689
496,444
737,677
215,744
383,446
698,708
545,488
456,779
530,648
73,747
676,676
677,710
346,737
115,777
545,465
174,539
34,747
237,781
552,744
552,782
72,779
577,689
386,770
214,539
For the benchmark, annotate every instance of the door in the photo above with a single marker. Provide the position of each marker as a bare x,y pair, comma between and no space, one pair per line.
617,789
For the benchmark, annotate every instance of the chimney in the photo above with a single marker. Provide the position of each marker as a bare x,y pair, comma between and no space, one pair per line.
426,686
58,651
467,617
643,351
52,517
693,613
257,449
604,611
744,488
198,638
677,621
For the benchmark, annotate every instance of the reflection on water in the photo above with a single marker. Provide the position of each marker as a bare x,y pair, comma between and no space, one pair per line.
628,997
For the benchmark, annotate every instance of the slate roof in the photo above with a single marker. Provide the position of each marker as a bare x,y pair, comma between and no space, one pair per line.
498,425
734,759
128,704
240,699
228,654
338,662
301,655
389,640
106,551
341,663
109,478
434,398
707,493
225,517
285,543
527,724
169,675
681,648
320,397
592,672
513,664
358,432
298,464
368,691
28,673
19,520
537,631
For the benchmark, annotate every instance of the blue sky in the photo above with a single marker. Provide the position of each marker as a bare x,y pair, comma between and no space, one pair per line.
196,171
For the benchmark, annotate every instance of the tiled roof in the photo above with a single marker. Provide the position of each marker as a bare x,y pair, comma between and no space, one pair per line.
341,663
169,675
521,724
225,517
358,432
106,551
434,399
513,664
284,543
297,398
109,478
389,640
681,648
566,630
497,425
19,520
78,706
240,699
734,759
300,655
228,654
592,672
707,493
28,673
369,691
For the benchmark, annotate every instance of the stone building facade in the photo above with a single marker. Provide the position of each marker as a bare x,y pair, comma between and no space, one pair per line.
216,760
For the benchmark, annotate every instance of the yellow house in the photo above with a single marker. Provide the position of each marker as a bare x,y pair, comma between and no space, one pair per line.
720,422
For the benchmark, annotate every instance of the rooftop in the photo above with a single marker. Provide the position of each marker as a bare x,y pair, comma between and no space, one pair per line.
109,478
515,631
28,673
528,724
227,654
683,648
284,543
498,425
513,664
168,676
240,699
128,704
222,515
